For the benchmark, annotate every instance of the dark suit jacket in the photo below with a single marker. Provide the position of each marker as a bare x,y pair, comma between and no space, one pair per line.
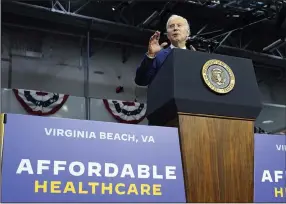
148,68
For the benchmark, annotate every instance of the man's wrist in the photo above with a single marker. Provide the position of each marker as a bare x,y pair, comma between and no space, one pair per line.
150,55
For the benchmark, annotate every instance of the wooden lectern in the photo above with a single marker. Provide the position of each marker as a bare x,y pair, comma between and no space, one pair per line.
216,130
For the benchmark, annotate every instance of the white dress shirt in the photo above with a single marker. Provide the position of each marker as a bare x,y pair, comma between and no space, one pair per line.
172,46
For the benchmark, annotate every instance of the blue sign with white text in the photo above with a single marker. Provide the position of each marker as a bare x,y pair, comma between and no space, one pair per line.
64,160
270,168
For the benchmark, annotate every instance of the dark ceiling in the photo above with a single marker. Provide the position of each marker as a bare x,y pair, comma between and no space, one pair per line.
254,24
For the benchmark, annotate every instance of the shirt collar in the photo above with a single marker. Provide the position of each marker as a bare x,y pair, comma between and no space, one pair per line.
172,46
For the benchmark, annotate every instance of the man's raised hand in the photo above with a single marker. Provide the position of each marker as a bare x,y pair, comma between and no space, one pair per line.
154,46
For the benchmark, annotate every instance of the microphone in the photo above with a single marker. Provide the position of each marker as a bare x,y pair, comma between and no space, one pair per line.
198,39
202,43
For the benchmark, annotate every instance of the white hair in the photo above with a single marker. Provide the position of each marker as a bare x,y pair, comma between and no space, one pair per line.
176,16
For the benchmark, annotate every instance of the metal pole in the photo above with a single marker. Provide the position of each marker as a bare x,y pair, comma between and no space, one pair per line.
224,39
274,105
240,28
10,68
71,34
274,45
94,20
80,8
249,53
86,80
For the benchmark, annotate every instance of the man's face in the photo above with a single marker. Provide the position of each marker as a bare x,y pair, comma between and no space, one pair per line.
177,30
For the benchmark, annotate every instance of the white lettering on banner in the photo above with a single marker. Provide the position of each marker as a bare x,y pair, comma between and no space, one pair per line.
155,173
108,167
80,166
77,168
43,165
147,139
127,171
117,136
70,133
25,165
143,170
58,168
278,175
84,134
94,168
281,147
170,172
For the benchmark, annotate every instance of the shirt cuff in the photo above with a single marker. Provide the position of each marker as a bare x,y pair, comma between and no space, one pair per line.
150,57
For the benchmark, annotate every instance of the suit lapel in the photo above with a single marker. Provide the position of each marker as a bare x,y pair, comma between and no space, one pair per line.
167,50
162,56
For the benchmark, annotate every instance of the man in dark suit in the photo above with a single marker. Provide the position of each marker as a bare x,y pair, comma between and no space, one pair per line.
178,31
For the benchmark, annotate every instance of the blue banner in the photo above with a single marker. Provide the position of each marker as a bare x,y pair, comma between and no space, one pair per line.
270,168
64,160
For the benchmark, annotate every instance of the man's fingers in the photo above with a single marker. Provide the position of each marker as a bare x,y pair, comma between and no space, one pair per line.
152,37
155,36
164,44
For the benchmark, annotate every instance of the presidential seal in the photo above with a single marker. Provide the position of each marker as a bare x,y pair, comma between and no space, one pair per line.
218,76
